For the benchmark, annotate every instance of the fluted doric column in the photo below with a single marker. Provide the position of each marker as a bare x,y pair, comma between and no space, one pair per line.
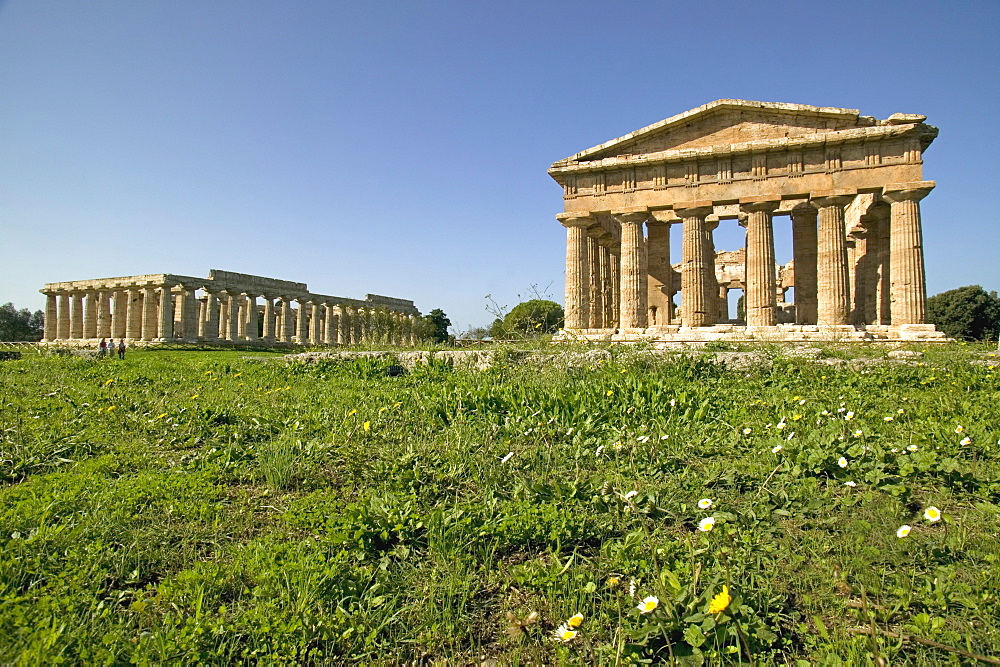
577,269
253,318
103,314
345,327
634,270
62,318
51,321
698,297
804,249
314,323
149,312
661,274
119,318
330,320
832,281
90,315
233,316
906,252
189,316
166,323
287,323
881,214
761,281
133,314
302,328
268,318
595,306
76,316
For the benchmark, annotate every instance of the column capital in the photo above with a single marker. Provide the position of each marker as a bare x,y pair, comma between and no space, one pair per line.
632,215
582,219
694,209
663,216
758,204
915,191
832,197
803,210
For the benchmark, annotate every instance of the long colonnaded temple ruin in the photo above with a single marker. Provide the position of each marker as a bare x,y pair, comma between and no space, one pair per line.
226,307
850,184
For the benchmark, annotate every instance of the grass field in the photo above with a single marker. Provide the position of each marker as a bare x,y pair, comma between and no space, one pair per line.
219,507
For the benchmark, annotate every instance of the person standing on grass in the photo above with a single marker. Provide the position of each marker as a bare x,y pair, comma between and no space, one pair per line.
121,348
104,349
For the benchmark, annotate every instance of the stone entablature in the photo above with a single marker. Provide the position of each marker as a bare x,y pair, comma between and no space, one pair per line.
850,183
223,307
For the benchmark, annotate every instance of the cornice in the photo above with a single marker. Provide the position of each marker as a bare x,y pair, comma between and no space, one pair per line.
927,133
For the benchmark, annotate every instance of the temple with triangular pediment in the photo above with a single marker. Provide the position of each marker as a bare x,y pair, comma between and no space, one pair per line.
850,184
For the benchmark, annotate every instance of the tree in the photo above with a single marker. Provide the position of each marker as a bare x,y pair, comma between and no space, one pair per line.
968,313
20,324
530,318
436,325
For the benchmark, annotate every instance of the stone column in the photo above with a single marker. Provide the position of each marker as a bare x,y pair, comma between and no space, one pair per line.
166,324
90,315
268,318
906,252
103,314
804,248
133,327
595,309
723,316
611,285
233,315
287,323
211,320
577,265
661,274
761,281
62,318
51,321
76,316
833,291
189,316
634,271
119,320
315,324
330,333
883,311
344,326
413,330
149,324
253,318
697,273
302,336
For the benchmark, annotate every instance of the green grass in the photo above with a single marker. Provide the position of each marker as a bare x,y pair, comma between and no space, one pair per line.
220,507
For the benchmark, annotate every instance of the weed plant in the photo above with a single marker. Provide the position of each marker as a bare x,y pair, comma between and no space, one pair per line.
220,507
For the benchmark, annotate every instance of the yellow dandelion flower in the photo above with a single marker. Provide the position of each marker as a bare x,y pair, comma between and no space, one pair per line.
109,382
648,604
932,514
610,392
110,408
195,395
903,531
614,581
236,375
720,601
367,426
160,416
352,412
575,621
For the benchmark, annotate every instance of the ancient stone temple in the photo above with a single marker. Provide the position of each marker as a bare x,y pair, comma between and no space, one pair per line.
226,307
850,185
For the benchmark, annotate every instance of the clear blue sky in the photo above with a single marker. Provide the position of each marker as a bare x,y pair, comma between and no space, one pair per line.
400,148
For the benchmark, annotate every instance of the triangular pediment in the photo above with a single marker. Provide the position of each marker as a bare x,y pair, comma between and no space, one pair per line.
726,122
